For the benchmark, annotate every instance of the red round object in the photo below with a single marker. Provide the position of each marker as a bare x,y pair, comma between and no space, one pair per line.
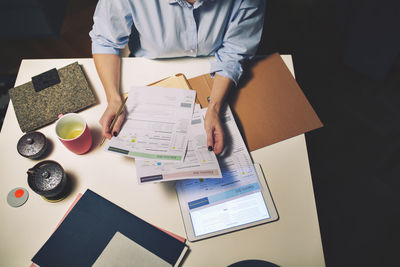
19,193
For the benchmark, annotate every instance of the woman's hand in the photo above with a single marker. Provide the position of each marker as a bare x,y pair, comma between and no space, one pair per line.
108,116
212,121
214,130
108,67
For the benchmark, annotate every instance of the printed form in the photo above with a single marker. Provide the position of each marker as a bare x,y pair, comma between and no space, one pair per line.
236,199
157,123
198,161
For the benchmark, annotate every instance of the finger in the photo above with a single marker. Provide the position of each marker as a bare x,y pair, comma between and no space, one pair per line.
210,139
106,133
105,129
117,126
218,141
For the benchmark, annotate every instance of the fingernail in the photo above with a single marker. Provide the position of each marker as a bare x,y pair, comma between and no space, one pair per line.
115,134
210,148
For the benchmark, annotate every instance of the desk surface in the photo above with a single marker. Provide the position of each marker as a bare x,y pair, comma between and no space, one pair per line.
294,240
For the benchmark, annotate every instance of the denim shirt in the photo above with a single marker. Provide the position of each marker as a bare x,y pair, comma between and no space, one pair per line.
230,30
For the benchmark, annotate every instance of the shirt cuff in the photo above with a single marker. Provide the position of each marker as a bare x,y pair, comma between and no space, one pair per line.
101,49
233,70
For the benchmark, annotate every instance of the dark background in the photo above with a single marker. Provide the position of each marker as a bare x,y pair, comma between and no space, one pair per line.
346,59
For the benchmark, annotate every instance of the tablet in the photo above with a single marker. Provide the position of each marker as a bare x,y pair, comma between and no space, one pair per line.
213,207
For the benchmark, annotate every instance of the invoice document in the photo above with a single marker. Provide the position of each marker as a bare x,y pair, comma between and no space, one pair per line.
236,199
157,124
199,162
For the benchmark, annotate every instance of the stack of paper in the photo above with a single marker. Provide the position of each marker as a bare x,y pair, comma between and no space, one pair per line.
156,124
239,175
198,162
164,132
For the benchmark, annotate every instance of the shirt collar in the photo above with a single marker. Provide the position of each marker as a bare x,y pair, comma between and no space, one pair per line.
184,3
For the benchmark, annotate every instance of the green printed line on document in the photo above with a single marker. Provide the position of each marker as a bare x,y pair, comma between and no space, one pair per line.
119,150
153,156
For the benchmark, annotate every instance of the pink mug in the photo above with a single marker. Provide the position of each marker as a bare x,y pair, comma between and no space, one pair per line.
73,131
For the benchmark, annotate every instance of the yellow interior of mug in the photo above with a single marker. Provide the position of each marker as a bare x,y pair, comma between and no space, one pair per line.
70,126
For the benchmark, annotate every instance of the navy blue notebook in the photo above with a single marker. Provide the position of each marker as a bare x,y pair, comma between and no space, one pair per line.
89,227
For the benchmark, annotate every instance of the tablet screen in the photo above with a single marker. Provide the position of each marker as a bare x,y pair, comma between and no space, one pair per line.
238,200
239,211
216,206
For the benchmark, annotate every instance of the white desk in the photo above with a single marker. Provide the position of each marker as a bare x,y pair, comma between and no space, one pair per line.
294,240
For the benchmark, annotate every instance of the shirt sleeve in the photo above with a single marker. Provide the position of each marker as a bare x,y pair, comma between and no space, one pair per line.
112,23
241,39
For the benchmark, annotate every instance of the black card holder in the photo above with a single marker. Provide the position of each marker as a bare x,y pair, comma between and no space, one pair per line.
45,80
